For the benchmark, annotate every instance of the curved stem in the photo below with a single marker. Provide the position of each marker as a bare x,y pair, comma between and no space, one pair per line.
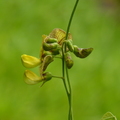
71,17
63,70
70,116
66,80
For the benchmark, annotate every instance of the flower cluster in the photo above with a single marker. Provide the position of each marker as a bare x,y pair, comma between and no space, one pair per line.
52,46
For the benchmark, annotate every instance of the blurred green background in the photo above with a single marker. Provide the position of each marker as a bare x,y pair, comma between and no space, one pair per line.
95,80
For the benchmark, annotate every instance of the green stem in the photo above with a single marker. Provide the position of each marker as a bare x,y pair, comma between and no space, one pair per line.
57,77
70,116
71,17
66,80
63,71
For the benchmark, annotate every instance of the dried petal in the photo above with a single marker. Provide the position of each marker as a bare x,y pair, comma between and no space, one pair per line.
60,35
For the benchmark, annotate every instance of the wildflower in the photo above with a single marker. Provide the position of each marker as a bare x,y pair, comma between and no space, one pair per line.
52,45
29,61
31,78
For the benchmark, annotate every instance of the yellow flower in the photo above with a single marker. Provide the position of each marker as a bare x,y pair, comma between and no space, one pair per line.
30,61
31,78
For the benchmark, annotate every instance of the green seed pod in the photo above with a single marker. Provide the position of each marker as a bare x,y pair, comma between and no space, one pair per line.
69,45
82,52
51,40
49,46
68,60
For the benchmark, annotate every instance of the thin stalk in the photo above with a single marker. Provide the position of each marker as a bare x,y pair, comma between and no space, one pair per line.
57,77
63,71
71,17
66,80
70,115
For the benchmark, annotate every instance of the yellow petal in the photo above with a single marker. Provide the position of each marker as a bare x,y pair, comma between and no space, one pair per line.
31,78
29,61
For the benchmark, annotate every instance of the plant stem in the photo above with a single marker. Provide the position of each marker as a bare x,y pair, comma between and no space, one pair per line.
57,77
71,17
66,80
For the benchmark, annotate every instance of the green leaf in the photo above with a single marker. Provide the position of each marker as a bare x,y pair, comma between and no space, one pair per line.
108,116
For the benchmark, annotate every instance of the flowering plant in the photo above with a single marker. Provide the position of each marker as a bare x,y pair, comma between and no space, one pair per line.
58,44
51,48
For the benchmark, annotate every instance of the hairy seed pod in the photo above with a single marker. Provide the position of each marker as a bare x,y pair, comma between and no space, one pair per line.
49,46
68,60
69,45
82,52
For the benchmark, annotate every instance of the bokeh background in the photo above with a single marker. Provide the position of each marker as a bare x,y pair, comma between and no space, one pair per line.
95,80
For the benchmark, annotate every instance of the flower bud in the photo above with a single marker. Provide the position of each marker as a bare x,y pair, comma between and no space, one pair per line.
31,78
68,60
29,61
56,50
46,61
69,45
45,53
51,40
47,76
49,46
82,52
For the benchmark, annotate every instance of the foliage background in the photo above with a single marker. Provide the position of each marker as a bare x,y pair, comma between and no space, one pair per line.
95,80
